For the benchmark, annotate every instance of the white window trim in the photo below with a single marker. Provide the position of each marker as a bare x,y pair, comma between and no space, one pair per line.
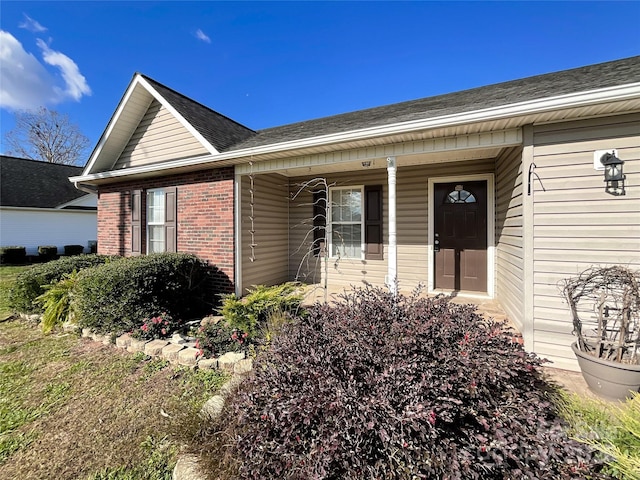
155,224
329,226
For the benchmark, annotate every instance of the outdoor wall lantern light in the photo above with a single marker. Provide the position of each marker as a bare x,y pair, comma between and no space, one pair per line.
613,176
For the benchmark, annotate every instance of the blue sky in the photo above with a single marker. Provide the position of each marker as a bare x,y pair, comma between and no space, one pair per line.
266,64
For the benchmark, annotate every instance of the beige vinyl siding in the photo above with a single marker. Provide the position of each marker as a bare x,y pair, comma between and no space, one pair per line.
411,224
158,137
509,234
270,224
576,223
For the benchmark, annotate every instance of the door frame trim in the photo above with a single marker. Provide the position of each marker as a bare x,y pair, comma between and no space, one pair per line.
491,233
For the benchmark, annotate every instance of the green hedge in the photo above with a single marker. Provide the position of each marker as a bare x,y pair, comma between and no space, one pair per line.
116,297
47,252
30,284
13,255
73,250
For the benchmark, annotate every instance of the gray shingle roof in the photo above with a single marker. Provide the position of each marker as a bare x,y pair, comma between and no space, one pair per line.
218,130
30,183
591,77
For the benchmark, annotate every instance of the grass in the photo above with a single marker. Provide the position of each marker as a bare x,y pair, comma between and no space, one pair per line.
8,275
614,430
73,408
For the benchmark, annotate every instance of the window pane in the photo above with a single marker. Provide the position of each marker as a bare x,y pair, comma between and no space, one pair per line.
155,207
156,239
346,241
356,205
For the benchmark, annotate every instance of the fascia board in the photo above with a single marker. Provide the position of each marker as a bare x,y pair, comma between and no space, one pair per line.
210,148
609,94
111,125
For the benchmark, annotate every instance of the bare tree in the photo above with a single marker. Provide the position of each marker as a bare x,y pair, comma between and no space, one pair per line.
48,136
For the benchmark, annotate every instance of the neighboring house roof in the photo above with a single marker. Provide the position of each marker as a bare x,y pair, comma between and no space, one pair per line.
31,183
571,93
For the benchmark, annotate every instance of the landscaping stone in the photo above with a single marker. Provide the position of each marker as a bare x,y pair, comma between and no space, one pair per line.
86,332
188,356
136,345
208,363
231,385
154,347
123,341
227,361
69,327
96,337
178,339
170,352
106,339
212,407
243,366
187,468
211,319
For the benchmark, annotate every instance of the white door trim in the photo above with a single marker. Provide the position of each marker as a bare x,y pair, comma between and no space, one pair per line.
491,202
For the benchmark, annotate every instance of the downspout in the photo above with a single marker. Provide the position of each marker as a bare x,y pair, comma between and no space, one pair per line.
237,199
392,274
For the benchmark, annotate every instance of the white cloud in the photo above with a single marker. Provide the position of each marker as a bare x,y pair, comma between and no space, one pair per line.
76,84
31,25
200,35
26,83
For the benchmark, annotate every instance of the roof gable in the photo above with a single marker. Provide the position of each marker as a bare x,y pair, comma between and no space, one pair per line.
159,137
36,184
213,131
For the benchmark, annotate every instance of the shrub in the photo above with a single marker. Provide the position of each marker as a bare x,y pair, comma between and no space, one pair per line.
216,338
13,255
47,252
56,301
250,313
614,430
31,283
116,297
70,250
162,326
394,388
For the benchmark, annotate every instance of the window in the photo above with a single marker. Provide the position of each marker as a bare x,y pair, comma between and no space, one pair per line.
346,222
460,195
153,220
356,222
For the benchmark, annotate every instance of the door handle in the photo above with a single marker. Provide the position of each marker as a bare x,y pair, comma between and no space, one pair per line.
436,243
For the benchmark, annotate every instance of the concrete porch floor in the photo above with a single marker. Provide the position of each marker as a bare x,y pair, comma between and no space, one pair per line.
573,382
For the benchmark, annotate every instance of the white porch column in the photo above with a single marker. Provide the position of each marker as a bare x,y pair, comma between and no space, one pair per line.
392,261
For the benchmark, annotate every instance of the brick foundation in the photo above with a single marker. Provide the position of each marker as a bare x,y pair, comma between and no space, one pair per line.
204,217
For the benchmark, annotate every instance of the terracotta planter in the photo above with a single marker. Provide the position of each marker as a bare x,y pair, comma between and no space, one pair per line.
611,380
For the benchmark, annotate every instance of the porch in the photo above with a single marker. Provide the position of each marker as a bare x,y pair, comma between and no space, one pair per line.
282,234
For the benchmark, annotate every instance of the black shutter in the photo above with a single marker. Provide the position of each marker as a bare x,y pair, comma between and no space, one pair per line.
373,222
170,219
136,222
319,221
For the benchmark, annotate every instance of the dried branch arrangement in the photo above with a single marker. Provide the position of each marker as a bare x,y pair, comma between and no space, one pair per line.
610,298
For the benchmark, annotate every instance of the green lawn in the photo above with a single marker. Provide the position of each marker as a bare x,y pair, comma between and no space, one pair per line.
74,408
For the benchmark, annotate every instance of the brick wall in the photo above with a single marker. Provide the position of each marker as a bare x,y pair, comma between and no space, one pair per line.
204,214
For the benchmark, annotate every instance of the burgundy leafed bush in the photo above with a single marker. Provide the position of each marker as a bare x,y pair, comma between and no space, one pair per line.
396,388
